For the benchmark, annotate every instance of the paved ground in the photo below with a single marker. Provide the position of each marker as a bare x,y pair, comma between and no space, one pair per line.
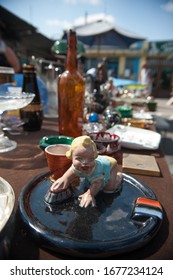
165,113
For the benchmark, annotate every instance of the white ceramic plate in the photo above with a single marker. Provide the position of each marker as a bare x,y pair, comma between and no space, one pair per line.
136,138
7,200
142,115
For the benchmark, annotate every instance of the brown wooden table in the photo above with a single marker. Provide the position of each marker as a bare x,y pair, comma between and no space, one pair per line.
19,166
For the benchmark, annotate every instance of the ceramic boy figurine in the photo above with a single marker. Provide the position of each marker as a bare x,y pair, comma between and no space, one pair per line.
101,171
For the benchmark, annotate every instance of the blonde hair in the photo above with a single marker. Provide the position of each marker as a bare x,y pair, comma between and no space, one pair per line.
84,141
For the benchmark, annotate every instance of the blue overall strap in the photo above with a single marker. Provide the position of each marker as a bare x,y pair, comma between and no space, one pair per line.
101,171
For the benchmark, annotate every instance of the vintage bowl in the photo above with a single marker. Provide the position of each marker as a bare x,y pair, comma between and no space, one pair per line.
152,105
111,142
125,111
53,139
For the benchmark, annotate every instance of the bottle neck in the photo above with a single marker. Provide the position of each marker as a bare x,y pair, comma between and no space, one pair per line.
30,82
29,74
71,63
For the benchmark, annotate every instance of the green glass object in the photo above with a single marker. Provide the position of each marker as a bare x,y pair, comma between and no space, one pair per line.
60,47
51,140
125,111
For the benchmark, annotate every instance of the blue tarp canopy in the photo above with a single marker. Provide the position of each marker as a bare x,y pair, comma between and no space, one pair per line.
125,82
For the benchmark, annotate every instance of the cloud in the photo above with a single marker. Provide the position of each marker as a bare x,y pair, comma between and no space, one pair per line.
89,2
92,18
58,23
57,26
168,6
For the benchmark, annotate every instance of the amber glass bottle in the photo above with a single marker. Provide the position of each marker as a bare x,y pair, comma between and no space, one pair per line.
32,115
71,89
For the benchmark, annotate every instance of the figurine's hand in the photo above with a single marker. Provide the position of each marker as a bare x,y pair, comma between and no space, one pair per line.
86,199
59,184
63,182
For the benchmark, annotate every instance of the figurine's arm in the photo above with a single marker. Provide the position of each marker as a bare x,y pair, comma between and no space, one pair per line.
89,196
64,181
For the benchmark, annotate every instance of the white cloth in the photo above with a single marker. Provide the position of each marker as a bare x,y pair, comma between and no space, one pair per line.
92,72
145,76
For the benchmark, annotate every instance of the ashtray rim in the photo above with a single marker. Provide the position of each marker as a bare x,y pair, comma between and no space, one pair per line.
45,141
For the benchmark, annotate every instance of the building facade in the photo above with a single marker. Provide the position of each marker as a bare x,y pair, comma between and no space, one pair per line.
127,63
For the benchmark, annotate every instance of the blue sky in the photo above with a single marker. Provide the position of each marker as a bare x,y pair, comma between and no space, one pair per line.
151,19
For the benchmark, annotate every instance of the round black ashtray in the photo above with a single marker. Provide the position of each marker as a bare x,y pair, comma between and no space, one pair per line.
121,222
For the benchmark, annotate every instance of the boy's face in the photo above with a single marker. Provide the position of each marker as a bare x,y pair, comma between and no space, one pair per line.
83,159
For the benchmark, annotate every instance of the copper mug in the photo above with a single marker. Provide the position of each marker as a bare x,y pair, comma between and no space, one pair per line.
57,161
